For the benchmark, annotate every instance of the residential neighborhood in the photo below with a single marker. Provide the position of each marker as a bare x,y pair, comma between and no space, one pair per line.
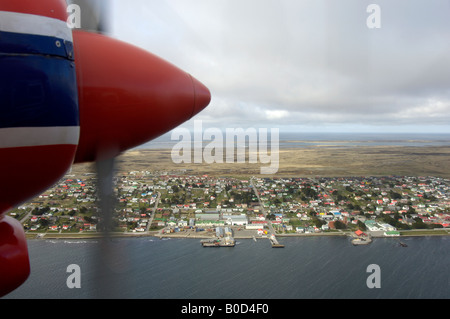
165,203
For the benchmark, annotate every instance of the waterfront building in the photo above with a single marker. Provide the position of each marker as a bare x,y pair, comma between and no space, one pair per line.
236,220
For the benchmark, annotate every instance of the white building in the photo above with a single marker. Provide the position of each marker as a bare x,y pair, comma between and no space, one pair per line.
235,220
388,227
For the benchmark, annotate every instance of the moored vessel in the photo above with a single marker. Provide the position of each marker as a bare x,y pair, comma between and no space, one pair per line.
219,242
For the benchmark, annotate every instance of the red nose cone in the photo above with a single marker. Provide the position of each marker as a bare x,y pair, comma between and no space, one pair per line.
128,96
202,96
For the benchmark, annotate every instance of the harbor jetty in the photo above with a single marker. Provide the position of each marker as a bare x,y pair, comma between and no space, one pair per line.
361,238
274,242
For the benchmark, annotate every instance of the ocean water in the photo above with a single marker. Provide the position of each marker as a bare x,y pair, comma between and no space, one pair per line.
294,140
307,268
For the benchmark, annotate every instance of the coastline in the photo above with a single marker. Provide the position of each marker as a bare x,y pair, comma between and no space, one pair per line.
190,235
317,161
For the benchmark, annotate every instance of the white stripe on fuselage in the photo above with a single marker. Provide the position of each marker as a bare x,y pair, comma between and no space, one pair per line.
39,136
35,25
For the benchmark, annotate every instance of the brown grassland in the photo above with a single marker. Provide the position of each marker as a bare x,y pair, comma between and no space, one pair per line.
314,161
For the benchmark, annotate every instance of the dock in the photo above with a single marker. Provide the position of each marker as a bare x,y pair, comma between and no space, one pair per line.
275,243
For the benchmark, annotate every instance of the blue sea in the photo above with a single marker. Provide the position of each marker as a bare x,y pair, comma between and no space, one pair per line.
307,268
295,140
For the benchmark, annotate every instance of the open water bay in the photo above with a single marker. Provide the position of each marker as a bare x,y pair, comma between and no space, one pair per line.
308,267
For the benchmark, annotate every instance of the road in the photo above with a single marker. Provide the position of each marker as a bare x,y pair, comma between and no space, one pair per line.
150,220
269,223
27,215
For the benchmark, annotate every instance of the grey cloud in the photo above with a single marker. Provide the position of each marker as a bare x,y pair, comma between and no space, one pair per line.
293,62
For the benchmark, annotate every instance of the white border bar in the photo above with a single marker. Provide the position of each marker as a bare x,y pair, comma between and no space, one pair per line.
35,25
39,136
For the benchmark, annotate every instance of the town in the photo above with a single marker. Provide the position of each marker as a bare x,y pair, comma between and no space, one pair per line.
164,204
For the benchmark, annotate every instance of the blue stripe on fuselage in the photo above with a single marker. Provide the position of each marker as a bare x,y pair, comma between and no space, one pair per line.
36,89
18,43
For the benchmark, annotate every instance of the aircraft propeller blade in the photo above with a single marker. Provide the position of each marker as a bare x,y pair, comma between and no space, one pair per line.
106,251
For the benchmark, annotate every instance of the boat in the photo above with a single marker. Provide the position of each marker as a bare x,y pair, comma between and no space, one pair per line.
219,242
402,244
211,243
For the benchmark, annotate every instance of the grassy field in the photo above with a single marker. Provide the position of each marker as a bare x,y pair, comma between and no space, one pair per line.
325,161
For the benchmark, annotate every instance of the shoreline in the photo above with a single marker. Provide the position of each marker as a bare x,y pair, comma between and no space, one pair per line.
202,236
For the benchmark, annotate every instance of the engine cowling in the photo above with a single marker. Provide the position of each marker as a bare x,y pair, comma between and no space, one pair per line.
128,96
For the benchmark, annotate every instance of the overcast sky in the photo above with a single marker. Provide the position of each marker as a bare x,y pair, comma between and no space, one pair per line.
304,65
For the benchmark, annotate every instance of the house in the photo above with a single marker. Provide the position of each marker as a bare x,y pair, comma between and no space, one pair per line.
182,223
171,223
359,232
372,225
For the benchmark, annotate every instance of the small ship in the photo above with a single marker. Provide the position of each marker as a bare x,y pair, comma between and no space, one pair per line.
219,242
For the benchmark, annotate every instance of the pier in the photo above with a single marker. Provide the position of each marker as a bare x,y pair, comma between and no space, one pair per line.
274,242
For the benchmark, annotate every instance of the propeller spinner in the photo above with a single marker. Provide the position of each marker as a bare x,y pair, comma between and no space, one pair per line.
128,96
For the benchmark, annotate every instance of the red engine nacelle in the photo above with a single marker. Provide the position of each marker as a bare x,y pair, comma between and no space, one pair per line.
70,97
128,96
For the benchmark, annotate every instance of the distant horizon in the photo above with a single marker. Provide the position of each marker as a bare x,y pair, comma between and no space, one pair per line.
357,129
292,138
286,132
